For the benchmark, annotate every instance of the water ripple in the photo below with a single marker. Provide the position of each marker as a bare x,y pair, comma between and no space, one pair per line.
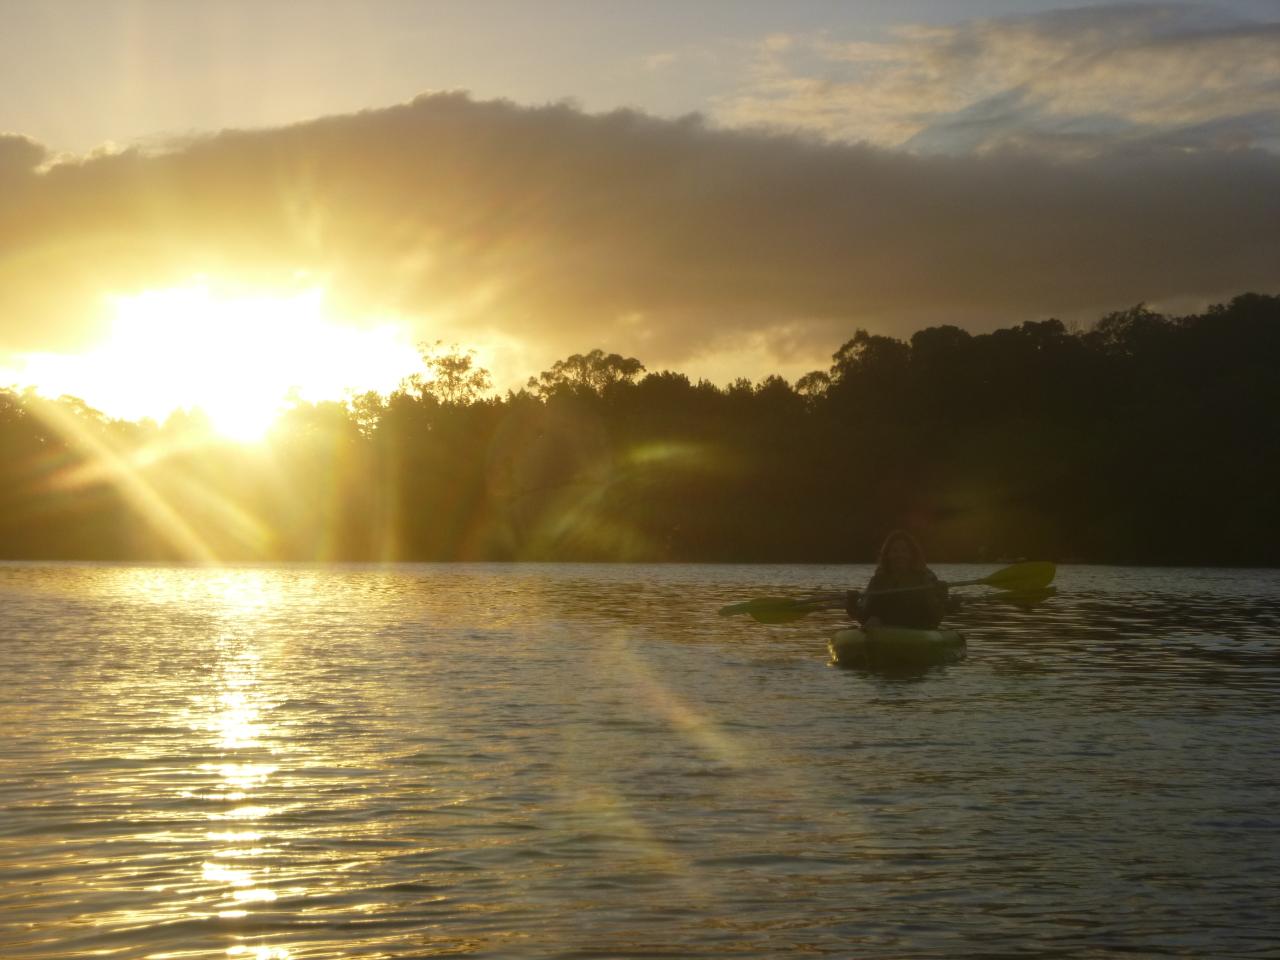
280,763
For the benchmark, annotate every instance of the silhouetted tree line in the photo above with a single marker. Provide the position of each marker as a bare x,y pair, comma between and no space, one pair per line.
1146,438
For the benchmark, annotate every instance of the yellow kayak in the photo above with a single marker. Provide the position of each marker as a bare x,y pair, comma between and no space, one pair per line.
889,647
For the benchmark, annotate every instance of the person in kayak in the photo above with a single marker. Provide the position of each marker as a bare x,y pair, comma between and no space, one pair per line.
901,565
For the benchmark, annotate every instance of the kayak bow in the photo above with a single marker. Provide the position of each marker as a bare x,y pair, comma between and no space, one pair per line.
889,647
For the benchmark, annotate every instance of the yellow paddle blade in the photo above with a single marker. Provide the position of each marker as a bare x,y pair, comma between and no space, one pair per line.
1031,575
759,605
783,609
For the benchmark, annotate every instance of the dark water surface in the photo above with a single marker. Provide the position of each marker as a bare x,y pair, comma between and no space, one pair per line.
586,761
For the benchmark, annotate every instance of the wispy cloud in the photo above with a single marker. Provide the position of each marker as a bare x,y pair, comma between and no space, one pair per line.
1068,82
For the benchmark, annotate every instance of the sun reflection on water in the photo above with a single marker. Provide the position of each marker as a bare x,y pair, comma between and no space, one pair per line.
224,874
257,894
259,953
242,771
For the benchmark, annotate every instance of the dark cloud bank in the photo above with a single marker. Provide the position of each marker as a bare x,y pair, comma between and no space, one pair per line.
661,238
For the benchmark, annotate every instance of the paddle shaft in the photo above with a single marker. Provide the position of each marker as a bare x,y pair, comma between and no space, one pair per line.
1026,575
923,586
1025,599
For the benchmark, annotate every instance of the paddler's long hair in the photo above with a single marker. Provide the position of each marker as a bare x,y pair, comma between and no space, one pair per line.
917,555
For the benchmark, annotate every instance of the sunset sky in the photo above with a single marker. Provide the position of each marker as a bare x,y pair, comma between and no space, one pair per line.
215,203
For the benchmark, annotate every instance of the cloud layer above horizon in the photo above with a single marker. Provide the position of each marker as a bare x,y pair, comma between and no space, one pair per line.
554,231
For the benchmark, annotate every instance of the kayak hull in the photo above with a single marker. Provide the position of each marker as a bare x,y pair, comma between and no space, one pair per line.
894,647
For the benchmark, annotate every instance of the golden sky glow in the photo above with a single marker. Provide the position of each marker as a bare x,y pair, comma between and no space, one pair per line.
727,196
237,358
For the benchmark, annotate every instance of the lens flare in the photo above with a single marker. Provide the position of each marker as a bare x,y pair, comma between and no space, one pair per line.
239,359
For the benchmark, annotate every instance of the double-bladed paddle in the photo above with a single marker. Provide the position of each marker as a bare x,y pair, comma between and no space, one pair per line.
1026,579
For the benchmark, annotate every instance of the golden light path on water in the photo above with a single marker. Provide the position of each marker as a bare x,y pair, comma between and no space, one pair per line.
237,726
298,762
262,770
231,712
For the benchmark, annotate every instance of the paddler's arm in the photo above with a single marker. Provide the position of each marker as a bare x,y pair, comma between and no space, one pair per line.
939,598
860,607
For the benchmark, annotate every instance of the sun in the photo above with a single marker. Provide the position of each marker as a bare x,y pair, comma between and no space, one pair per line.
238,359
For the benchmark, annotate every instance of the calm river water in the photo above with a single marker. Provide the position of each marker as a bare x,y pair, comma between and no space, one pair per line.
586,761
